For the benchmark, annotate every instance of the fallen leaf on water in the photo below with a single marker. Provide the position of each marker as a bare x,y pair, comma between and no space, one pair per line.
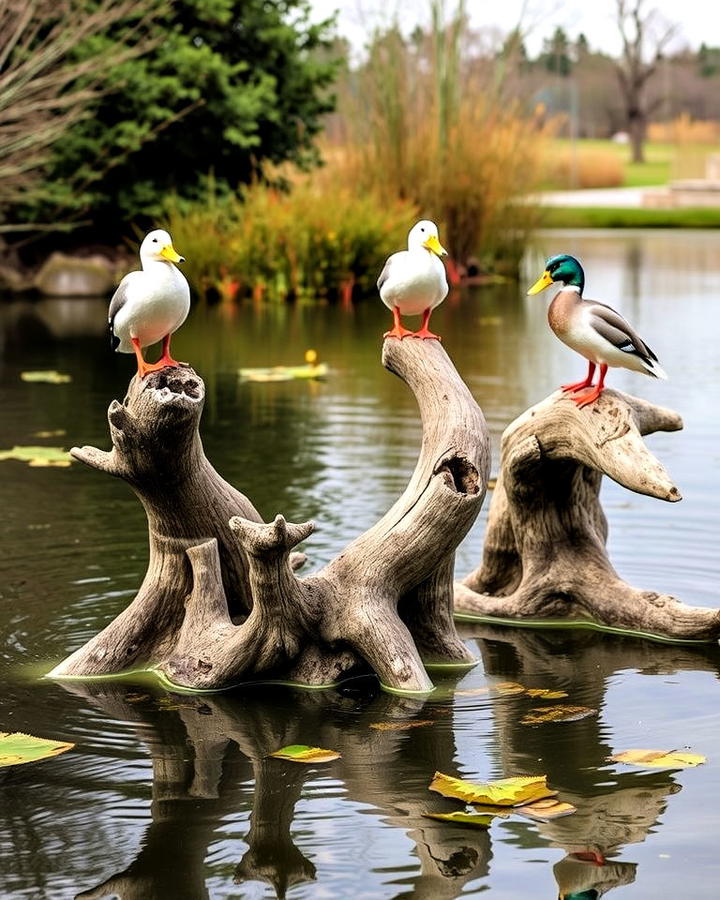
543,714
546,693
544,810
660,759
19,748
461,818
508,687
303,754
472,692
38,456
516,791
57,432
400,726
46,376
492,483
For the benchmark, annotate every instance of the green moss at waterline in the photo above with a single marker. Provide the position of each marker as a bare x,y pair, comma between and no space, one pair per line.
578,624
612,217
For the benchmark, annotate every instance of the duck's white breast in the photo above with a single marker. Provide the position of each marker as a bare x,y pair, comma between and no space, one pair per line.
416,282
158,301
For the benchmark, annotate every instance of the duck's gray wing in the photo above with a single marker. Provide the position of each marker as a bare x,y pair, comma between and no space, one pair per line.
119,299
614,328
385,274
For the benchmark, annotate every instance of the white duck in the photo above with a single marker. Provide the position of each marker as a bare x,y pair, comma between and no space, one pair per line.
413,281
151,304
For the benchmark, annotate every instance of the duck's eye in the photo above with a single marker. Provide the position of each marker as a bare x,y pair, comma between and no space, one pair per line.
154,240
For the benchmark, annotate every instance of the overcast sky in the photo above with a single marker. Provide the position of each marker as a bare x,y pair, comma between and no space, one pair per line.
698,20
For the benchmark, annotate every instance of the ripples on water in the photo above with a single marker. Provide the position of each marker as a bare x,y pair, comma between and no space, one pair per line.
169,795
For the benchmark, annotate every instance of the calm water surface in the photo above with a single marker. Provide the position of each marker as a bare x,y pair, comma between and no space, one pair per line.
170,796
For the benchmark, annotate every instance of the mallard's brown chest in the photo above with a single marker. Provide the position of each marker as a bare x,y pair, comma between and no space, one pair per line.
560,311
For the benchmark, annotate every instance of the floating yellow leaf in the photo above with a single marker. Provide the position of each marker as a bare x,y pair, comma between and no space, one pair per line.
472,692
46,376
660,759
492,483
546,693
400,726
38,456
508,687
57,432
19,748
461,818
542,714
515,791
544,810
303,754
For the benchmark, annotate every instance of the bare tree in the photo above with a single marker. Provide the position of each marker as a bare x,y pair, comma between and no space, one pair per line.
46,84
644,36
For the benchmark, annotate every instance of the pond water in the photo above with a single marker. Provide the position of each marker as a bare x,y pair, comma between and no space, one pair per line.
171,796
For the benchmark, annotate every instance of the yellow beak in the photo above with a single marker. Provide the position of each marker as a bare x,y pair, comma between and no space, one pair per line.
434,246
545,280
169,253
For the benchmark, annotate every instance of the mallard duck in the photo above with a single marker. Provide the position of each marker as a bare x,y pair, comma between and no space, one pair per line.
413,281
592,329
151,304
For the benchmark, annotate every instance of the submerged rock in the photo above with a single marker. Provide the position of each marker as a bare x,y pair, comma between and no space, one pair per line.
72,276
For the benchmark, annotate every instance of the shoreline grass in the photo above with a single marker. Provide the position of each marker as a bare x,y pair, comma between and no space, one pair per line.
615,217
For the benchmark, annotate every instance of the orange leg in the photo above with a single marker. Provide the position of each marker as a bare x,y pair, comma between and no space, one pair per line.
424,331
145,368
397,330
578,385
591,396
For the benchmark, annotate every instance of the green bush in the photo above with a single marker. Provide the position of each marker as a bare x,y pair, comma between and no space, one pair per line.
319,239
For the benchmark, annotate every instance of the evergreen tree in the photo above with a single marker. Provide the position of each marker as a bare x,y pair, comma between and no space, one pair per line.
226,86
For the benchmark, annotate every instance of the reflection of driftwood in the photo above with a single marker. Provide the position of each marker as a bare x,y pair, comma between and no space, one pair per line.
583,878
544,554
386,770
612,808
220,602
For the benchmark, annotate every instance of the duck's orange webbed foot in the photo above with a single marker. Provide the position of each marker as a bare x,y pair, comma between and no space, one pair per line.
579,385
398,330
424,332
591,396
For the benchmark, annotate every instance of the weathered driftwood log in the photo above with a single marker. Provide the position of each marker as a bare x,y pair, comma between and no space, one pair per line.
544,553
220,602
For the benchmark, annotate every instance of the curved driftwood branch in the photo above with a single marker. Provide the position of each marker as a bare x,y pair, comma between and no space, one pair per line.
221,602
544,553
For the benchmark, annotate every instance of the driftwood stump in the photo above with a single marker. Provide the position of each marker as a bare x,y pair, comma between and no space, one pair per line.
220,602
544,555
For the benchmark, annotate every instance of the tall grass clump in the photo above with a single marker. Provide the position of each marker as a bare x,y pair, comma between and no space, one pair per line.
685,130
582,166
426,119
321,238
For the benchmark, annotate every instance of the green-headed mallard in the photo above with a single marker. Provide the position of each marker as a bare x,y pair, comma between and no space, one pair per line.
149,305
592,329
413,281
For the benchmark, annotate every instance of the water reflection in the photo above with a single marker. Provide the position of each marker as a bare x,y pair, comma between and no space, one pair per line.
74,547
209,759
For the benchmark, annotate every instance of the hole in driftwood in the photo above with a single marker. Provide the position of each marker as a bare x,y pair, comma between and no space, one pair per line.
460,474
176,384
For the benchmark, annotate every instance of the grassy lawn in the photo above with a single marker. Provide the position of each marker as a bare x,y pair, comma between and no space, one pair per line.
663,161
608,217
